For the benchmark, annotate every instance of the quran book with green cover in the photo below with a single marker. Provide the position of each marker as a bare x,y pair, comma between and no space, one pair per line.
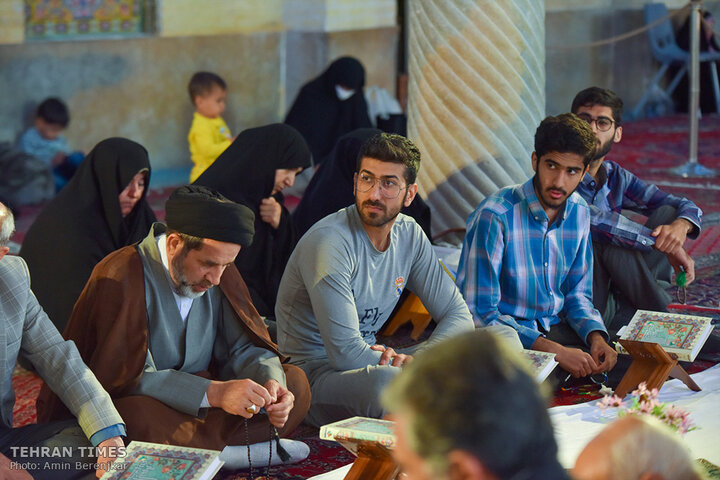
360,428
683,335
151,461
371,441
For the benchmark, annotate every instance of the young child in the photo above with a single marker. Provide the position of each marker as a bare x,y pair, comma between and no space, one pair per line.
209,134
46,142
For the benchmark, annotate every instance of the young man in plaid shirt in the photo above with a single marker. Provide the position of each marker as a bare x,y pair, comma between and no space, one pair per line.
527,258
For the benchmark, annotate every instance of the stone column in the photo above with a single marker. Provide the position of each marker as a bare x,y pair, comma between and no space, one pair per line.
476,96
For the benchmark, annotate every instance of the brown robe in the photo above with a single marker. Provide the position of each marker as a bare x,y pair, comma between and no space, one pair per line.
109,326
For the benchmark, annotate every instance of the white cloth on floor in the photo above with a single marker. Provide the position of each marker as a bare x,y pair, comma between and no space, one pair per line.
576,425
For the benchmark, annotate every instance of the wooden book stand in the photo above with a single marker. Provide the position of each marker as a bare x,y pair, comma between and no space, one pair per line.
652,365
373,462
412,310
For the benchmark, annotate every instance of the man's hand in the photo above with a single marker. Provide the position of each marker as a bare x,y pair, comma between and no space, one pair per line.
109,450
573,360
604,355
680,258
669,238
279,408
389,357
270,211
235,396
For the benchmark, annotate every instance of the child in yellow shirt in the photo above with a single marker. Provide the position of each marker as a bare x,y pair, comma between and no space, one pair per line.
209,134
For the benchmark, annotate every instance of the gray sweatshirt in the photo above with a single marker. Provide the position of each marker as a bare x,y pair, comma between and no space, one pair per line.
338,290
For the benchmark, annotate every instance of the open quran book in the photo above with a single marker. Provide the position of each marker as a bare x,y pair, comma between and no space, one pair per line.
154,461
683,335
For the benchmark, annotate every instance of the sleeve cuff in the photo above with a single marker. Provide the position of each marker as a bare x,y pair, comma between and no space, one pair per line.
117,430
695,231
604,333
644,240
528,337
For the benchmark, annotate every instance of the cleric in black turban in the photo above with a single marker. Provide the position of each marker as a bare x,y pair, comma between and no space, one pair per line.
201,212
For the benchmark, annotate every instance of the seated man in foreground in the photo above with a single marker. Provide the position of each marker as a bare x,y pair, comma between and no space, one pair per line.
526,260
630,258
24,327
468,408
346,275
185,362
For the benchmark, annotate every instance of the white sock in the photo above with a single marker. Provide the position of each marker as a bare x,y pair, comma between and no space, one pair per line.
236,456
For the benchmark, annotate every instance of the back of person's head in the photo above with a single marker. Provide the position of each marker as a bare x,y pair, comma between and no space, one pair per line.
53,111
7,225
474,393
636,447
202,83
599,96
566,133
390,147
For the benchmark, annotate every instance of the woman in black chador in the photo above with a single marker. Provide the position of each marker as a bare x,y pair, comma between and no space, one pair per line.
330,106
254,170
101,209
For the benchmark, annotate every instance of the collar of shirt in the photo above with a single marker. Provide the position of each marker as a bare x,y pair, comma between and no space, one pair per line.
590,184
602,173
183,303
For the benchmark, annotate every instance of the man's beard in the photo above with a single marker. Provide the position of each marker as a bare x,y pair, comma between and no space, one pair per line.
181,285
377,219
603,149
544,197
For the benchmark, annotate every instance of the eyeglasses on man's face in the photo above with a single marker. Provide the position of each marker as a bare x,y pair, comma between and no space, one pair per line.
389,187
603,124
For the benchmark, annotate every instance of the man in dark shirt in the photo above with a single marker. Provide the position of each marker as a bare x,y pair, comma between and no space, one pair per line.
630,258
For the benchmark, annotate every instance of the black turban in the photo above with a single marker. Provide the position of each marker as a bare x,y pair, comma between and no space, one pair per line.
201,212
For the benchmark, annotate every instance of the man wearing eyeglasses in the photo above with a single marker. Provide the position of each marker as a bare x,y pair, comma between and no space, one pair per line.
346,275
631,259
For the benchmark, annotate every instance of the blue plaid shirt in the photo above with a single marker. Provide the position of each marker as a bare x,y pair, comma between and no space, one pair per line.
516,270
618,189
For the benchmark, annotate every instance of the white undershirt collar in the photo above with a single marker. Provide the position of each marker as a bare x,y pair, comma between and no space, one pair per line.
183,303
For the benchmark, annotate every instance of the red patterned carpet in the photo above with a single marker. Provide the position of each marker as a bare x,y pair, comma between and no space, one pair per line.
27,387
649,148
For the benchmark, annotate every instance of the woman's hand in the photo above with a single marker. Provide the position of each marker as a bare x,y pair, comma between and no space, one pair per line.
270,211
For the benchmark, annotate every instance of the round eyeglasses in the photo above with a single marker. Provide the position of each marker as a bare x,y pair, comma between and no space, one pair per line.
389,188
603,124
